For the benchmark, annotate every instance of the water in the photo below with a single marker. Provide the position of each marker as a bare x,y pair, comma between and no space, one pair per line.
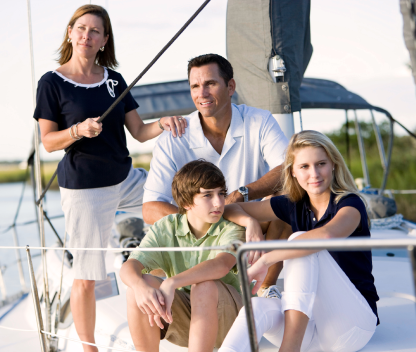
27,234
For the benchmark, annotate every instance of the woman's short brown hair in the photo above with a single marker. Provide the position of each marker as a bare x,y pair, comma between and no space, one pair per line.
193,176
105,58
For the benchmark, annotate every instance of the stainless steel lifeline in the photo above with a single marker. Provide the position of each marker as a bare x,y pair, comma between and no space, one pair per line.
36,303
332,244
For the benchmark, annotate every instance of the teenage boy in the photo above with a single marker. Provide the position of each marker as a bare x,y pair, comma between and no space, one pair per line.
200,299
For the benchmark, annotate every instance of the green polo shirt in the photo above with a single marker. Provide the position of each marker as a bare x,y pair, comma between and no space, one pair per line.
173,231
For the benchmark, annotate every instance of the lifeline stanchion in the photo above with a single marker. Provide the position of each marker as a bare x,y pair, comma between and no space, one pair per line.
412,256
39,180
19,261
132,84
2,287
36,304
246,290
58,305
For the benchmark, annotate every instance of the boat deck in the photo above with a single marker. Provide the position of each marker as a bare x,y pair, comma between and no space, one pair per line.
397,331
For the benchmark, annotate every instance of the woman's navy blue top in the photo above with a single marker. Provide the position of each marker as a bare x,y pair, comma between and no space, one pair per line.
94,162
357,265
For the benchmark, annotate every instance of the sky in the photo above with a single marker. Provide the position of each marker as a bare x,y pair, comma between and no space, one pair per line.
358,44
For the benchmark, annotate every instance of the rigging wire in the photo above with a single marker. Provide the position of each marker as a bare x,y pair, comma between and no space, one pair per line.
132,84
86,343
38,176
29,222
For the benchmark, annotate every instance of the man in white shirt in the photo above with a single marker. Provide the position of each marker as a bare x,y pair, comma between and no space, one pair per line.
246,144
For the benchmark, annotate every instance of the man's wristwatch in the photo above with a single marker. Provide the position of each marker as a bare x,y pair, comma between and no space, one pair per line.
243,190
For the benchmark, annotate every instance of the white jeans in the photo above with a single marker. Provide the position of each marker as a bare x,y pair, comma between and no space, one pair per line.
340,318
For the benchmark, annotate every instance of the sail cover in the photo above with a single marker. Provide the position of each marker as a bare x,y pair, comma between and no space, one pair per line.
258,30
173,98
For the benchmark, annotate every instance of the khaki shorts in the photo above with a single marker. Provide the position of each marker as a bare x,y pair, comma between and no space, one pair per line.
229,304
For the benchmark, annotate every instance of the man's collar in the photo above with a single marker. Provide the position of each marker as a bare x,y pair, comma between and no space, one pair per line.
196,133
183,228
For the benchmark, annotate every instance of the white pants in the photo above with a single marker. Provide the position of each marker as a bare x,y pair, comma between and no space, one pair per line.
340,319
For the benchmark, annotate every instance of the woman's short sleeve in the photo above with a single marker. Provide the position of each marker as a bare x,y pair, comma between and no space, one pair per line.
47,101
354,201
129,102
282,206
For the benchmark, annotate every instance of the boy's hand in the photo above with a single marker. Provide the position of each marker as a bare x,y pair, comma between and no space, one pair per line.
155,319
168,291
150,301
254,233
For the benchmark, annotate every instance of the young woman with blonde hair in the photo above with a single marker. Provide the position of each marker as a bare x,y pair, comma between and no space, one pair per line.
96,177
329,300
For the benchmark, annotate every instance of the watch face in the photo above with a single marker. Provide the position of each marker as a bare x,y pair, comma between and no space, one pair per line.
243,190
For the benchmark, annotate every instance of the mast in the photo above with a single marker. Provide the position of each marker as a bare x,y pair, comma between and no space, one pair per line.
39,181
269,54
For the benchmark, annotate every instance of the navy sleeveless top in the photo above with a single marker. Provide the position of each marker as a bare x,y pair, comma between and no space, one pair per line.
94,162
357,265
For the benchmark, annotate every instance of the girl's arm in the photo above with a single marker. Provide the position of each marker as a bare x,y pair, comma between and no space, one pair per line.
53,139
249,215
143,132
342,225
242,213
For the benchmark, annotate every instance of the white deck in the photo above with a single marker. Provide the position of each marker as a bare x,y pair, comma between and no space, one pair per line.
397,311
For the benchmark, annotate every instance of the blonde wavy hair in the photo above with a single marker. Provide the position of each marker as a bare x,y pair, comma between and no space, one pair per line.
342,183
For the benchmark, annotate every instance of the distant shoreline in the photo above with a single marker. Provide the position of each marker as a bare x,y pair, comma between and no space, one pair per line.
13,171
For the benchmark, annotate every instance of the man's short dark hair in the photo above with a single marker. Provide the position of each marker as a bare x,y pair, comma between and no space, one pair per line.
193,176
224,66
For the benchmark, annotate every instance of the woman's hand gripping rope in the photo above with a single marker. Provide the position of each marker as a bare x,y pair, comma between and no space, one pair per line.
89,128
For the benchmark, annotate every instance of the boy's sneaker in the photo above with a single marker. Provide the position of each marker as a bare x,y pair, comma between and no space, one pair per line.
270,292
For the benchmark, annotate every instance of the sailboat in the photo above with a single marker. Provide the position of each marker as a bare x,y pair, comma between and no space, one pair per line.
19,320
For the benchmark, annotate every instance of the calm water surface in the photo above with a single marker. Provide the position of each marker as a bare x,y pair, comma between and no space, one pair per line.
27,234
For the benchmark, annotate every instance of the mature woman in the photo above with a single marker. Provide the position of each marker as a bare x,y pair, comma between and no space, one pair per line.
329,300
96,177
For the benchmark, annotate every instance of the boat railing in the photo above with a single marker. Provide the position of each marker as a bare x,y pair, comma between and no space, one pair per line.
49,340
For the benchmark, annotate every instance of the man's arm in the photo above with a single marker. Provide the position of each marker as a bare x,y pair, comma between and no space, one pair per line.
154,211
273,143
263,187
212,269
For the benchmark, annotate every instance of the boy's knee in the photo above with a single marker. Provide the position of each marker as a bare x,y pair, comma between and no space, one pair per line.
130,296
204,291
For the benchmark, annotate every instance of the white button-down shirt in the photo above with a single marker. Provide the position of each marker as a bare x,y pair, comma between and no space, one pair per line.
254,144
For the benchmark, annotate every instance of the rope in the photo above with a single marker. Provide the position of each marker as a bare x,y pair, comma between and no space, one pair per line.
15,329
154,249
27,223
65,338
132,84
391,222
86,343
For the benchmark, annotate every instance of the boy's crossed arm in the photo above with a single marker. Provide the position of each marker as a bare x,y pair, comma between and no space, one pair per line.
150,300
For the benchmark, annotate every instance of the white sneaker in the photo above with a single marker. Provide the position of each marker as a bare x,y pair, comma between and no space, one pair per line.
270,292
